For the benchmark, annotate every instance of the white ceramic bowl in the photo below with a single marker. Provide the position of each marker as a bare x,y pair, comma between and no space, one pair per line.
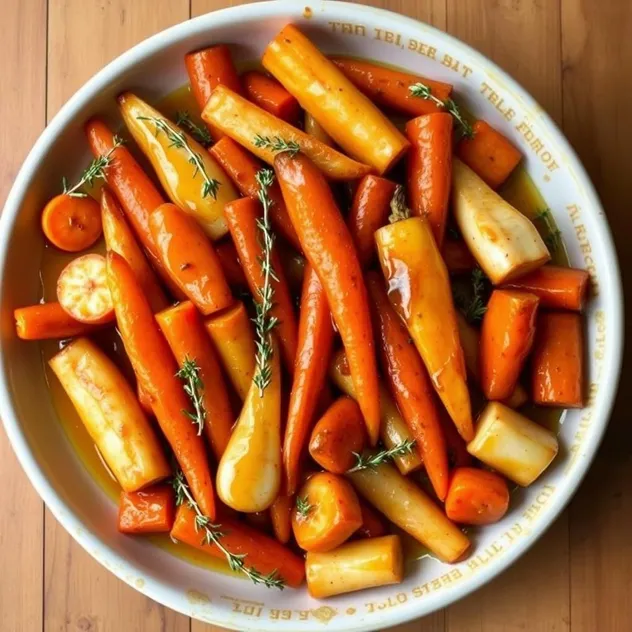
155,67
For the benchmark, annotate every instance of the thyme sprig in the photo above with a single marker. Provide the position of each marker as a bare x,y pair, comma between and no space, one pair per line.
193,386
473,305
179,140
372,461
199,132
553,238
303,506
399,209
213,535
277,144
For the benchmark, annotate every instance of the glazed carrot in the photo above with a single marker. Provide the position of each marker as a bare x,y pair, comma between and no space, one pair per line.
232,335
373,525
555,286
270,95
506,340
242,167
281,516
476,497
48,321
71,223
229,260
156,368
329,248
120,239
347,115
189,258
430,169
315,129
207,68
410,385
144,400
261,552
245,123
327,513
489,154
315,338
151,510
242,217
295,267
557,364
390,88
457,257
185,333
337,435
369,211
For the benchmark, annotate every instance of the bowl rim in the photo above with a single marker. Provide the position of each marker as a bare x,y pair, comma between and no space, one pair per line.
215,20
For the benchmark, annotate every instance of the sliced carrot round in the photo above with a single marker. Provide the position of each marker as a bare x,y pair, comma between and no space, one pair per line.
72,223
82,290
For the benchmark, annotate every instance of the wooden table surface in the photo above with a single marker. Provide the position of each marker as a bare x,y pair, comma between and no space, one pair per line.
575,57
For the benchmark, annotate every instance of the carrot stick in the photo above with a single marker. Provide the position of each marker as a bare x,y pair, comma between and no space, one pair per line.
185,333
506,340
207,68
315,338
261,552
315,129
410,385
557,364
270,95
369,211
189,258
120,239
48,321
245,123
151,510
373,525
281,516
489,154
430,169
242,216
390,88
555,286
156,368
242,167
229,260
457,256
329,248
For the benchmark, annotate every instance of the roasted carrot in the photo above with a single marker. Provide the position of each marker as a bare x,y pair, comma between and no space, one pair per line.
71,223
242,167
270,95
457,256
256,130
506,340
557,363
260,552
489,154
315,338
189,258
476,497
337,435
185,333
156,368
207,68
281,516
555,286
119,238
229,260
151,510
48,320
326,514
369,211
329,248
242,217
373,525
430,169
315,129
410,385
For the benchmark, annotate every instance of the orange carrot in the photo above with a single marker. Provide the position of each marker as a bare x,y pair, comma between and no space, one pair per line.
390,88
457,256
242,217
315,338
229,260
555,286
151,510
156,368
71,223
189,258
430,169
557,364
369,211
261,552
185,333
373,525
476,497
242,167
48,321
281,516
329,248
270,95
506,340
144,400
489,154
326,514
410,385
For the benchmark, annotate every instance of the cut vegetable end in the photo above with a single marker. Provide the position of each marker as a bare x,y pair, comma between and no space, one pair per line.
72,223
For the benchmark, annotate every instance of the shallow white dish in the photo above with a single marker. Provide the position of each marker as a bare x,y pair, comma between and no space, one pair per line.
154,68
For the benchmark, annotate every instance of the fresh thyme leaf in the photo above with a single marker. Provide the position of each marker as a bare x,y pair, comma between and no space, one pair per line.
543,214
552,240
373,460
553,235
399,210
277,144
199,132
189,373
303,506
473,304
